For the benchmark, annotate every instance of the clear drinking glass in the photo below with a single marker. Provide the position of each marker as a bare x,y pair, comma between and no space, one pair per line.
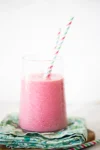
42,101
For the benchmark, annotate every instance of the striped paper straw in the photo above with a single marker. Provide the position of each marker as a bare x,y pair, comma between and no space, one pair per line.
58,48
58,37
86,145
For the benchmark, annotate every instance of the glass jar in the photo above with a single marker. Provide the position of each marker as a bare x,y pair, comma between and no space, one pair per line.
42,101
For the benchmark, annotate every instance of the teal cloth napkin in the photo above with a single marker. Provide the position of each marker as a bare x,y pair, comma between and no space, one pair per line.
11,135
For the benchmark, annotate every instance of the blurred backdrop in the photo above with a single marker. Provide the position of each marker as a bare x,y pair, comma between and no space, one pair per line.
30,26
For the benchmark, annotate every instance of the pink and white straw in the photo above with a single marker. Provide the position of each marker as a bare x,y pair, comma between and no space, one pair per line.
58,48
86,145
58,37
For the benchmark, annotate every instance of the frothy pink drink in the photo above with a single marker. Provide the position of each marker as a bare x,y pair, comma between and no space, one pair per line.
42,106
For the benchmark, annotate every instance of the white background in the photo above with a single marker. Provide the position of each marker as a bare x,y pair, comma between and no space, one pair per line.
30,26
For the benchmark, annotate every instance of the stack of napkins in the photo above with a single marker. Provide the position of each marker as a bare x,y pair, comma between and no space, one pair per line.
12,136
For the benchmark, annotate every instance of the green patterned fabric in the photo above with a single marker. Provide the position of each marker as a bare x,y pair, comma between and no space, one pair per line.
13,136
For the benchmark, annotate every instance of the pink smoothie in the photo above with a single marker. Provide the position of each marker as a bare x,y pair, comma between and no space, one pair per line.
42,106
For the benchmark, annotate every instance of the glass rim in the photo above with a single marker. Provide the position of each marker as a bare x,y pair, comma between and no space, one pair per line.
37,58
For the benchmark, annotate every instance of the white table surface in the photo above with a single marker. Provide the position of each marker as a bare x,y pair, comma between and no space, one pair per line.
91,112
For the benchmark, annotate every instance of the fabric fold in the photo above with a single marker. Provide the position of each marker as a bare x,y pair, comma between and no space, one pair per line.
11,135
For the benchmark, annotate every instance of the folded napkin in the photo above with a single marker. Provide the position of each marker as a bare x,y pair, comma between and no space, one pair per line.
12,136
